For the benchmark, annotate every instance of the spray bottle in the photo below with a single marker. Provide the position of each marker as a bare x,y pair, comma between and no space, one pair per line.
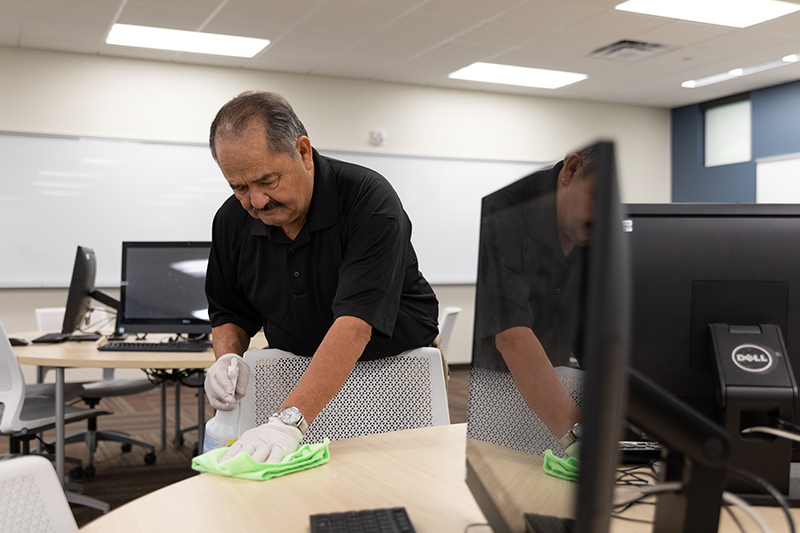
223,429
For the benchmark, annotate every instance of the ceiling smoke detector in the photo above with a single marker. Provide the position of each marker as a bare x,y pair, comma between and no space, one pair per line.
629,51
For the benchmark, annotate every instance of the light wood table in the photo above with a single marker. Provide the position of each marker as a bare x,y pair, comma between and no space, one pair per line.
419,469
422,470
84,354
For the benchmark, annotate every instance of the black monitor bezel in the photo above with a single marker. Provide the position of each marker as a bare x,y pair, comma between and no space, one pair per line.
605,341
81,287
184,325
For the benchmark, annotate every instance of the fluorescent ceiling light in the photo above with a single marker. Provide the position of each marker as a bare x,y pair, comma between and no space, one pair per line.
184,41
738,72
510,75
735,13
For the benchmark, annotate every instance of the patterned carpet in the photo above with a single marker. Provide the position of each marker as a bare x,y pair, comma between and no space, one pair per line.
121,477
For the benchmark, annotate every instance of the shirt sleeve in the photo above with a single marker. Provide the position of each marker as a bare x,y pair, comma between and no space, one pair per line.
378,237
226,303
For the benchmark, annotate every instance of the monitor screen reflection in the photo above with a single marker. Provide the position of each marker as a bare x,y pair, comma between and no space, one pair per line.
526,382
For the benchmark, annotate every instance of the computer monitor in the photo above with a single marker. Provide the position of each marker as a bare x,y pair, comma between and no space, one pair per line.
575,292
162,288
700,264
82,291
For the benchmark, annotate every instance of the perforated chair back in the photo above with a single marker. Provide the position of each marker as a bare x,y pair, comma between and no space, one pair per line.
12,387
497,412
446,323
31,498
402,392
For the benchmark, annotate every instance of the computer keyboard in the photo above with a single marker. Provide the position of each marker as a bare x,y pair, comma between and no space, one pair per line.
393,520
639,452
183,346
51,338
536,523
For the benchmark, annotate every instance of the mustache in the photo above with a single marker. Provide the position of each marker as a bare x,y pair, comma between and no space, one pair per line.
272,204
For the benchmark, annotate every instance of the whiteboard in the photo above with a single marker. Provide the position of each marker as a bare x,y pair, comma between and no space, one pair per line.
778,180
59,192
442,196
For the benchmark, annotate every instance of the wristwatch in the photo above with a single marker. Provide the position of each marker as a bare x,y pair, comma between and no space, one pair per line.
573,435
291,416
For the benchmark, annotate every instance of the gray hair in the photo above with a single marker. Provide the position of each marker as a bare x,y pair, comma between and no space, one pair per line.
588,159
282,126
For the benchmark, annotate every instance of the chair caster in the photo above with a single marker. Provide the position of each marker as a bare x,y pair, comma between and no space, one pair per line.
150,458
89,471
196,449
126,447
76,473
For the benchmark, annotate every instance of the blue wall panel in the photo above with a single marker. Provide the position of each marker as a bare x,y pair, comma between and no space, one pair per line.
691,180
776,120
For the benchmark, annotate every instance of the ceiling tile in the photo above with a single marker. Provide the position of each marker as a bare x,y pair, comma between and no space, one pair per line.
308,56
553,13
86,11
322,36
429,27
475,10
63,31
163,17
363,18
500,36
680,33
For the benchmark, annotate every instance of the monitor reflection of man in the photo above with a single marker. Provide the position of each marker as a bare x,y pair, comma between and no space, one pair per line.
314,250
534,235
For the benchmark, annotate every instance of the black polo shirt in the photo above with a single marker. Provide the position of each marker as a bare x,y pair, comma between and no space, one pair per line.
353,257
524,279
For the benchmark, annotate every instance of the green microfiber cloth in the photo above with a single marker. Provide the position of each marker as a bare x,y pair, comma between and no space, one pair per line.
563,468
243,466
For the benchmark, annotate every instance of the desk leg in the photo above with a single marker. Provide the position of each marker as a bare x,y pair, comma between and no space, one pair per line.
178,434
60,423
164,415
201,419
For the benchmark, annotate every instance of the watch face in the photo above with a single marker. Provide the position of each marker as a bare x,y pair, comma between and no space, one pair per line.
290,415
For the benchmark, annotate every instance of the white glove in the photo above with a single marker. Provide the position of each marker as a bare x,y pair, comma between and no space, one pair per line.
267,443
222,389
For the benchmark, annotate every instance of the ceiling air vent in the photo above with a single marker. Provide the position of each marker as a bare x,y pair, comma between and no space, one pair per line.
629,51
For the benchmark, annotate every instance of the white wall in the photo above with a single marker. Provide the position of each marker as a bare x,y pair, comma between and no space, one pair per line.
56,93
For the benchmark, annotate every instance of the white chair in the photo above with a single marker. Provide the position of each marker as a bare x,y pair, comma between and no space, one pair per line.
446,323
51,318
22,415
390,394
31,498
497,412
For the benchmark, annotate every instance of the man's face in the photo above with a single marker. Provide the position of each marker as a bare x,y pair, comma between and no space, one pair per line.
576,207
272,187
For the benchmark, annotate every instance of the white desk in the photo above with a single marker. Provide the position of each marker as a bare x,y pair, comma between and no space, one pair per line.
85,355
419,469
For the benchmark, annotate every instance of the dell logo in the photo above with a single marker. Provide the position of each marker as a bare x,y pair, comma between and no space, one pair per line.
752,358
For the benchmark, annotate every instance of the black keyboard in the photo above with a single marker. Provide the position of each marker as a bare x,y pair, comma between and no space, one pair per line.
639,452
393,520
61,337
536,523
51,338
184,346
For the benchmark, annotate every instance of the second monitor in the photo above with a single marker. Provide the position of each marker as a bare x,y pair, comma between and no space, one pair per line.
162,288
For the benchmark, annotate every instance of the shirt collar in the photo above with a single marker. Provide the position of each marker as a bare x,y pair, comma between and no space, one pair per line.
323,212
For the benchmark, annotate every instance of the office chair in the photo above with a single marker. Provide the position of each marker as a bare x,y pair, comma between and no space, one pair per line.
23,415
391,394
446,323
497,412
31,498
49,319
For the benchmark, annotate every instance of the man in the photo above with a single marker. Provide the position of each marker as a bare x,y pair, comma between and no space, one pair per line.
314,250
533,238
